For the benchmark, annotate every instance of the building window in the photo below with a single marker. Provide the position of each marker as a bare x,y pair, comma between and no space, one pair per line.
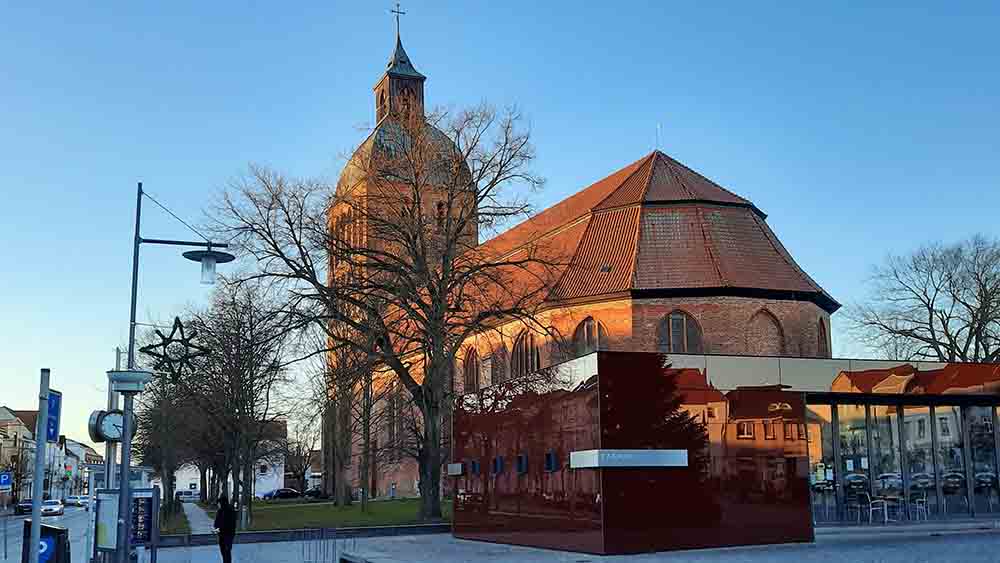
551,462
679,333
588,337
802,431
474,467
921,428
498,465
943,425
744,430
765,336
498,365
711,413
769,433
522,464
441,212
822,344
525,358
263,469
789,430
470,371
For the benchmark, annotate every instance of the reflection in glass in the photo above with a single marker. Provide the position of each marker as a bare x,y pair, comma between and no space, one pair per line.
821,462
919,459
887,481
854,461
979,421
951,460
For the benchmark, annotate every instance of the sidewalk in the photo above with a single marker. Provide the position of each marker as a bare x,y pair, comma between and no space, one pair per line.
198,519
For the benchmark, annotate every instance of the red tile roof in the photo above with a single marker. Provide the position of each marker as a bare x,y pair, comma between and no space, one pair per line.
658,225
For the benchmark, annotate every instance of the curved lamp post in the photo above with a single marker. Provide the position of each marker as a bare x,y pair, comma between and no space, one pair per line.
131,382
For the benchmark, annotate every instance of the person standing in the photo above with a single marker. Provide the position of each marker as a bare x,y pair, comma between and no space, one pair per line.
225,527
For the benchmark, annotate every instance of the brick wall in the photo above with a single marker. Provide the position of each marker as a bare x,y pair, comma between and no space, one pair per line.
729,325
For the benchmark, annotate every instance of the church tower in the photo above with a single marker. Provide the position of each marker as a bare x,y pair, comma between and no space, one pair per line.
401,88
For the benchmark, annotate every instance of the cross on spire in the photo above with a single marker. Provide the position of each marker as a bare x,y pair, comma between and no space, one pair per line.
398,13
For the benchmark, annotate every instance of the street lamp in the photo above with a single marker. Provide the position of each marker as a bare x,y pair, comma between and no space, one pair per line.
131,382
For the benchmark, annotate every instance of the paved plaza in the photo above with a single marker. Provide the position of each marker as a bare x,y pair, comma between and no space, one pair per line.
920,546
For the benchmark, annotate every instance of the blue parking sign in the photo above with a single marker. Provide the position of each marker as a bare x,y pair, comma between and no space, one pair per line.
47,549
52,425
6,480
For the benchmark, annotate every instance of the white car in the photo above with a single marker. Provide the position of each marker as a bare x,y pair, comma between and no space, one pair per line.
74,500
52,508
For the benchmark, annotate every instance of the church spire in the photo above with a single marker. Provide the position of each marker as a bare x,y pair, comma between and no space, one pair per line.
401,88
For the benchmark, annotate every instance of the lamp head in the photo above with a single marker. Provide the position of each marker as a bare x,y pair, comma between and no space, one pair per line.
208,258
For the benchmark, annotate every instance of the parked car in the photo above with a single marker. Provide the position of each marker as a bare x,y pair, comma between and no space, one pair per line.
187,496
890,481
52,508
286,493
23,507
73,500
953,481
986,480
856,481
922,481
315,493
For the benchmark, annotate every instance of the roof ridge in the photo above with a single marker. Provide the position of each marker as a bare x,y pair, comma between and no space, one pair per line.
710,248
645,160
703,177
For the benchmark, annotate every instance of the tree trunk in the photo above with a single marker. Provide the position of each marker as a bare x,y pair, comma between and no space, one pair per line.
247,494
203,482
366,433
430,463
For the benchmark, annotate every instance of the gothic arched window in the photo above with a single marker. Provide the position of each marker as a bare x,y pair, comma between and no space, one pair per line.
822,343
679,333
498,365
525,358
764,335
470,371
588,337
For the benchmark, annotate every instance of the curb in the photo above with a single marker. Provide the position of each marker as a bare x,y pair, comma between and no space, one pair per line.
307,534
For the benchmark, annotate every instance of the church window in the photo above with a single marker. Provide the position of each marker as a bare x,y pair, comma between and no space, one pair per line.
589,336
679,333
441,209
764,335
525,358
822,344
498,365
470,371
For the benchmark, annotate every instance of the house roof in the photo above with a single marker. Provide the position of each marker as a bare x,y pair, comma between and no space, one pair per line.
29,418
400,64
694,386
657,226
952,378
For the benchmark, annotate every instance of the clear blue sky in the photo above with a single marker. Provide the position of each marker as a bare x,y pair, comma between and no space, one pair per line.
859,129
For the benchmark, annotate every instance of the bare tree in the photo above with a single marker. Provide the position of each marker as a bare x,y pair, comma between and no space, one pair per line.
299,450
941,302
236,383
390,263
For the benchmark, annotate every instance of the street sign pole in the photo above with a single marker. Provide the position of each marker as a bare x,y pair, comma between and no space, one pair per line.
41,433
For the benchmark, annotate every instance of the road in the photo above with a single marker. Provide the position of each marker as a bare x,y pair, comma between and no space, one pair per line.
75,519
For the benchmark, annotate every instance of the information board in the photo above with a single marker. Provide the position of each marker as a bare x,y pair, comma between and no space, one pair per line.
142,517
106,523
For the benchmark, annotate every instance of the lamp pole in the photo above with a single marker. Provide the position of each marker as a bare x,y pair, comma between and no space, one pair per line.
208,259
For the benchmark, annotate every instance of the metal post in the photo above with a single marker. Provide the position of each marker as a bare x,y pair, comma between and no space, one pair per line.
904,462
124,506
124,516
90,515
41,436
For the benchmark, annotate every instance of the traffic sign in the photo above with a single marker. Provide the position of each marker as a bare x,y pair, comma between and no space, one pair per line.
55,406
6,481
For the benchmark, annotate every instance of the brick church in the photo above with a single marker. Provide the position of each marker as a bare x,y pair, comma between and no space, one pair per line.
662,259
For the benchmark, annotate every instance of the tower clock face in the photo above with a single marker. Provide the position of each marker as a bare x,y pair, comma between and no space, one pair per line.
111,426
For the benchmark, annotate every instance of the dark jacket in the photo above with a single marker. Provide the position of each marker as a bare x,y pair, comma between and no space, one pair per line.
225,519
